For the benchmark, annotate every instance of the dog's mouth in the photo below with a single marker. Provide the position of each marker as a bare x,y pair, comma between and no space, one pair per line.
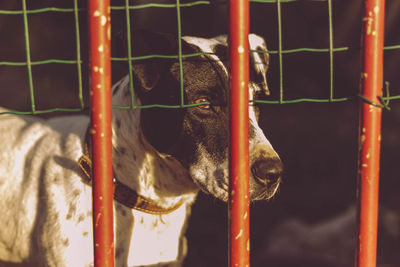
267,192
221,191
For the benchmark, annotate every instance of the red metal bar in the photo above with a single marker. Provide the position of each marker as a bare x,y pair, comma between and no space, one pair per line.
100,90
370,132
239,135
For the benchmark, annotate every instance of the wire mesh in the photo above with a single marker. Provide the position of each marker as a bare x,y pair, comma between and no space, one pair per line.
29,63
279,52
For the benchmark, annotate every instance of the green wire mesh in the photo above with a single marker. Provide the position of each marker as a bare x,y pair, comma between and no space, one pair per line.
29,64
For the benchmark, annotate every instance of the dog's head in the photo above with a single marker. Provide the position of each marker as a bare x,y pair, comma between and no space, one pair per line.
198,136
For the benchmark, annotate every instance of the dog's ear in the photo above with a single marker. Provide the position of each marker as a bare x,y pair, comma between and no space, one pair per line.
145,43
147,73
259,62
161,127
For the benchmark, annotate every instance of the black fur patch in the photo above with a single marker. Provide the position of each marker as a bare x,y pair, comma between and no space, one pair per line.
179,132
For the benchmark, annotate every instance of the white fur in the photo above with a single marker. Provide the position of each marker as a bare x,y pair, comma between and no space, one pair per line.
46,203
153,238
34,181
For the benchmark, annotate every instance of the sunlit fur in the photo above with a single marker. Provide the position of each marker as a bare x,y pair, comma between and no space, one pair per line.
46,202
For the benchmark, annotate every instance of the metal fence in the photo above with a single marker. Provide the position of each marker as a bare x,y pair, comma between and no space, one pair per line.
370,101
126,9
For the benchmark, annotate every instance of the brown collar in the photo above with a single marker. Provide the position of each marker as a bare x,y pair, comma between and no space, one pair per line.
122,193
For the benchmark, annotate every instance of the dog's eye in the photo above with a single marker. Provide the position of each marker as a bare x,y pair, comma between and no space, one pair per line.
202,100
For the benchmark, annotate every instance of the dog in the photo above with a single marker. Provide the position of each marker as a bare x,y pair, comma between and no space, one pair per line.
162,158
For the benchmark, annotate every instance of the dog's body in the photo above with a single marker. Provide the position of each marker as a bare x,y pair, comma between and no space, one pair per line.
164,155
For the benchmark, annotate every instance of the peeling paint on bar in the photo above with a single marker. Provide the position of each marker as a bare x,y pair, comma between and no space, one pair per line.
239,254
103,20
369,139
239,234
100,91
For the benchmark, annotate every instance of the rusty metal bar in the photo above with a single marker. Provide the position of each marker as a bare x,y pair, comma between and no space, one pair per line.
239,247
100,91
370,131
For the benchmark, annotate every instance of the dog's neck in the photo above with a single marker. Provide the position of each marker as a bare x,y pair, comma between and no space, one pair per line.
138,165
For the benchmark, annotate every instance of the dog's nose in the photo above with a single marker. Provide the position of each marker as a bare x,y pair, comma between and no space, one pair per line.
267,171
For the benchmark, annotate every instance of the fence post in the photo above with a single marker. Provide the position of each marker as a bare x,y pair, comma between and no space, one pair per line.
100,91
370,132
239,238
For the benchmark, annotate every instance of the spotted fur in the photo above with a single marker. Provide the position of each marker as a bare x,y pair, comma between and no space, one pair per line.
166,155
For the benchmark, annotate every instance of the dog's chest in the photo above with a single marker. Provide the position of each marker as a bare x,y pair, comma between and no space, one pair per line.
146,239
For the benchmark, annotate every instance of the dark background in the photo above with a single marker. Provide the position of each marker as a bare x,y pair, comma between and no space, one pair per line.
311,222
